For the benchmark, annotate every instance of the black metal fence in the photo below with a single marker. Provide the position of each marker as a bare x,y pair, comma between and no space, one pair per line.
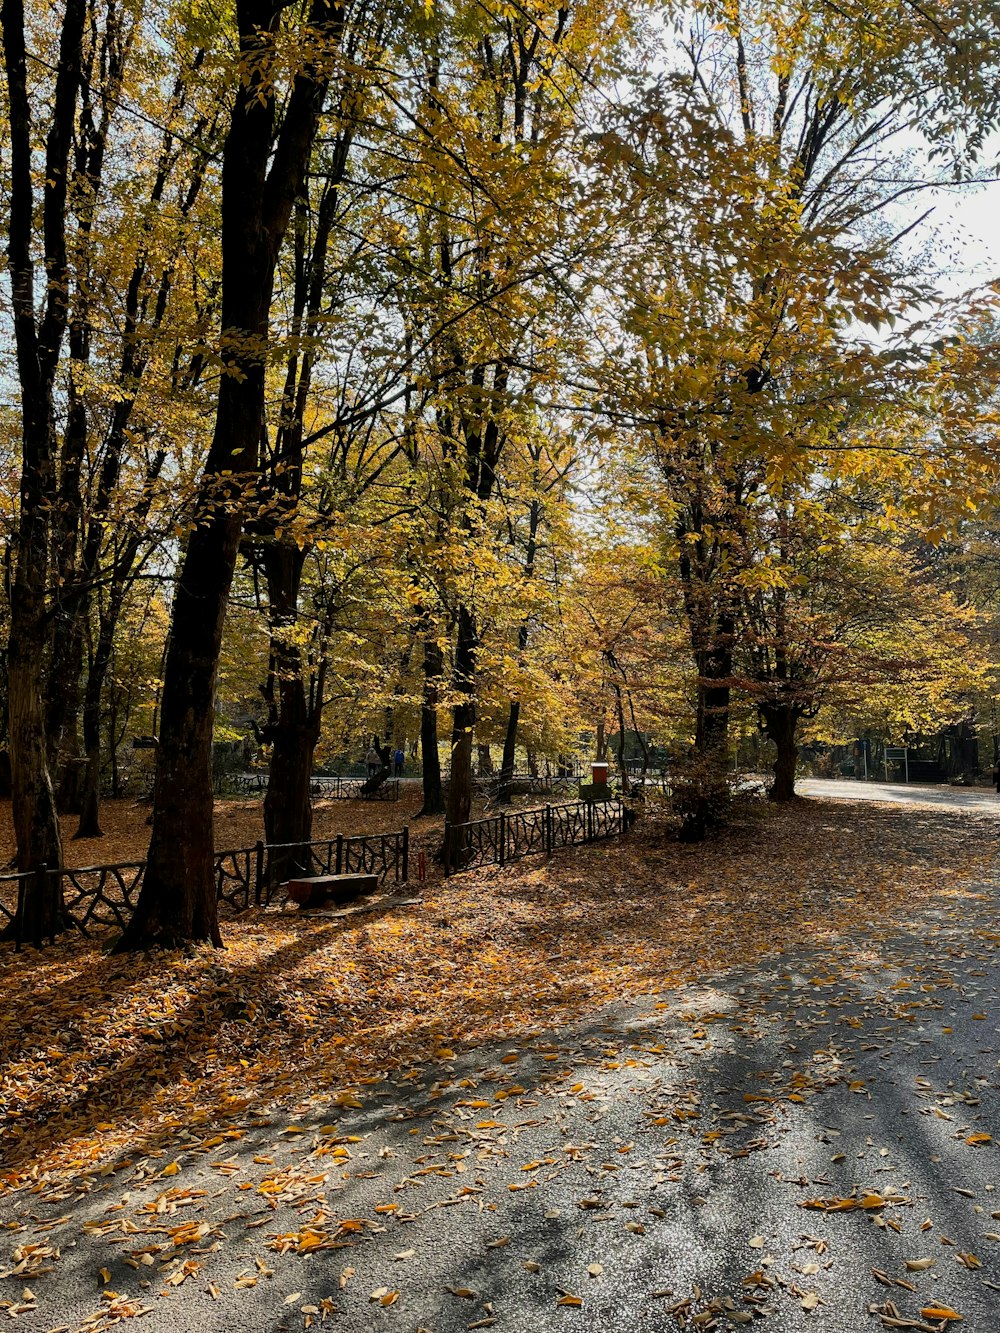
510,836
95,898
330,788
352,789
527,784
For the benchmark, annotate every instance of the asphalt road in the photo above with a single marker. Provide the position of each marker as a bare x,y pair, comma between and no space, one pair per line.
768,1149
983,799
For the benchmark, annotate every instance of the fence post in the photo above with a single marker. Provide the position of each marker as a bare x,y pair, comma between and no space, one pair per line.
547,831
447,848
406,852
340,854
590,821
56,883
19,916
259,872
502,837
41,893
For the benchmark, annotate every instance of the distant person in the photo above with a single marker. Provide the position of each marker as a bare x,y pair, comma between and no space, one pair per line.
397,763
373,761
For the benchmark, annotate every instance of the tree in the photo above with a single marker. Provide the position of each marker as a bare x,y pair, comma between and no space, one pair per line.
265,158
834,608
738,351
38,341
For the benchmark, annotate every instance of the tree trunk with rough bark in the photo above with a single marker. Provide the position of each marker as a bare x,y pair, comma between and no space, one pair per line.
262,175
780,723
458,808
509,753
702,795
293,730
430,758
38,338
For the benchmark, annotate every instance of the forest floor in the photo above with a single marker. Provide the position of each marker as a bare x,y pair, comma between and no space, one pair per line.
260,1136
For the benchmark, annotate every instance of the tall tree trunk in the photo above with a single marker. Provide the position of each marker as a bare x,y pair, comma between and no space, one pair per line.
287,802
702,795
65,650
458,808
294,726
430,758
90,806
262,175
38,342
509,752
780,722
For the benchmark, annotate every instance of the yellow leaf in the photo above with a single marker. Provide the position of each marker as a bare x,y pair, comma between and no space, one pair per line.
346,1098
569,1299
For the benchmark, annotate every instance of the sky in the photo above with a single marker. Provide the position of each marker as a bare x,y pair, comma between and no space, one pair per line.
967,220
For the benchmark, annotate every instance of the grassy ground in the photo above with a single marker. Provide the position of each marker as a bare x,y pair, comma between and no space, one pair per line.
108,1056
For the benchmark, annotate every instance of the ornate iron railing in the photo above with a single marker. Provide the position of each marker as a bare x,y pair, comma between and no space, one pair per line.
330,788
11,896
386,855
100,896
104,897
527,784
512,836
352,789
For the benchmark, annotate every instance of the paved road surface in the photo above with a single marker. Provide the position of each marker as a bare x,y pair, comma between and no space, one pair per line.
651,1170
983,799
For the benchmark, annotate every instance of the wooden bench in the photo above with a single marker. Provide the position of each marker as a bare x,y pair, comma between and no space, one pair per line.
315,890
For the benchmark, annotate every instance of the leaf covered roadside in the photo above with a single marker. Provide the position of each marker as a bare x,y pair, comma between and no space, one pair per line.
109,1056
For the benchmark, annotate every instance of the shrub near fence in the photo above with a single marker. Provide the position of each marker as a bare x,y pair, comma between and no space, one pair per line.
512,836
104,897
